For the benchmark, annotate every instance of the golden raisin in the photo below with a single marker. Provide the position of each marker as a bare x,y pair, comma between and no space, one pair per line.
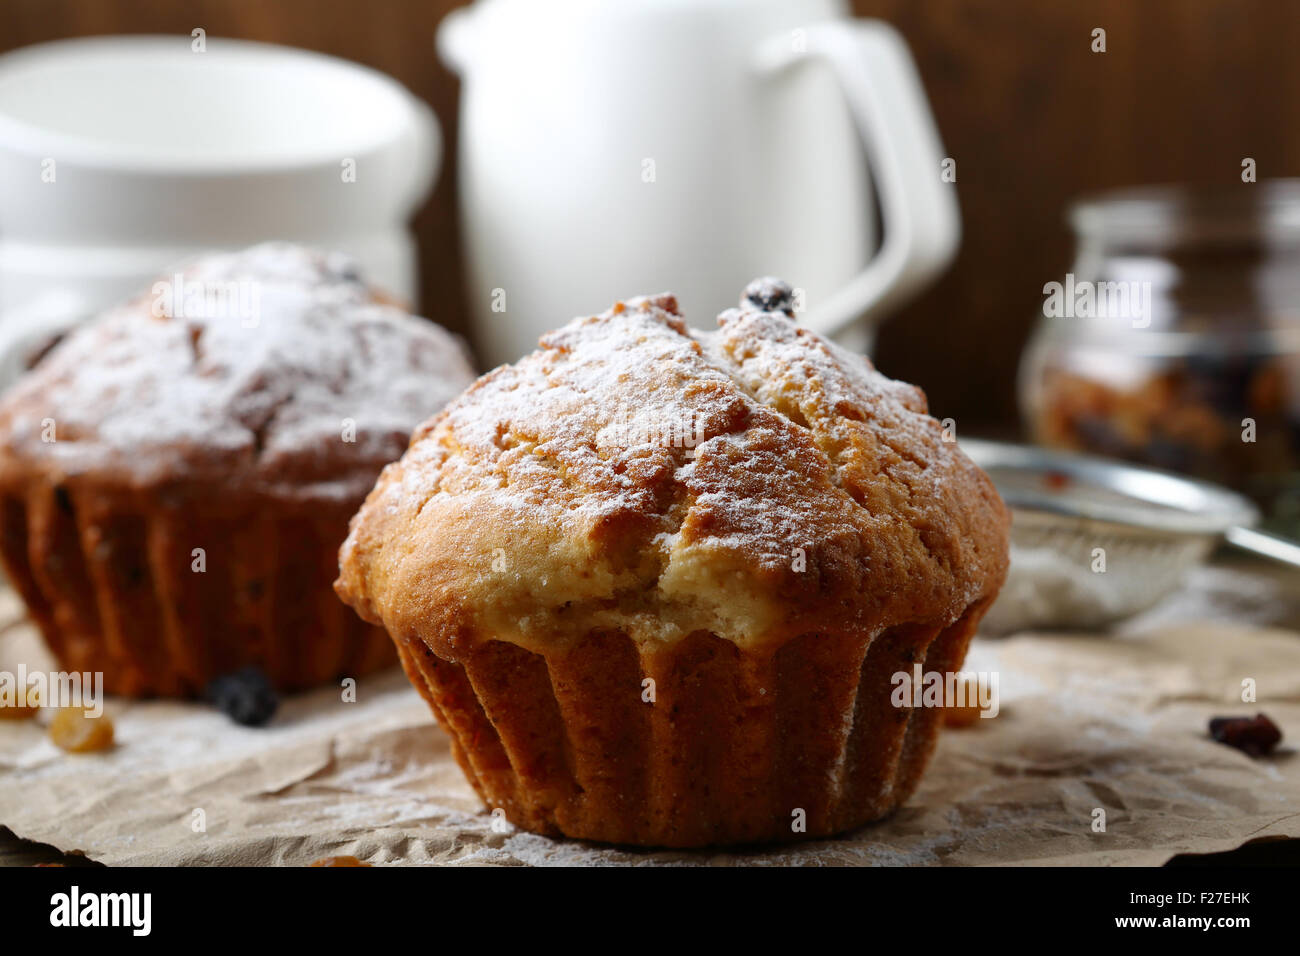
30,707
967,713
76,732
17,712
338,861
961,716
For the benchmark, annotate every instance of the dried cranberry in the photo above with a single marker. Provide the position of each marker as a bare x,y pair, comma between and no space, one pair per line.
245,696
1056,480
338,861
1253,735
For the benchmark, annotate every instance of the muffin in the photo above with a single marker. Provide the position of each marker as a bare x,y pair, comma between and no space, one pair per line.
176,475
655,583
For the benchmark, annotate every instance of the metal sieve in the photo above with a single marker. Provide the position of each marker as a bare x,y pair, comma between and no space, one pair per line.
1094,542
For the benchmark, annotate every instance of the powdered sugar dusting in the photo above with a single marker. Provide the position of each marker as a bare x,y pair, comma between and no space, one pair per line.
276,362
553,421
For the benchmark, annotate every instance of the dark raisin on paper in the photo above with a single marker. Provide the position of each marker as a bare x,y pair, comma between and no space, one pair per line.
245,696
1252,735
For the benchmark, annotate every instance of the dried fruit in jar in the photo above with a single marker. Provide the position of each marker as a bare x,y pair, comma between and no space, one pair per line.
78,732
1252,735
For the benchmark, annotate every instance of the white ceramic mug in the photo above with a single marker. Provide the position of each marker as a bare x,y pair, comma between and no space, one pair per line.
120,156
610,147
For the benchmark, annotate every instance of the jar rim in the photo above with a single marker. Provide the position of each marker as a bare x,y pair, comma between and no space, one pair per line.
1181,215
1173,343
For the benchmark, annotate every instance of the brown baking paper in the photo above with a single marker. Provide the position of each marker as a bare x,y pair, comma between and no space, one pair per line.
1112,722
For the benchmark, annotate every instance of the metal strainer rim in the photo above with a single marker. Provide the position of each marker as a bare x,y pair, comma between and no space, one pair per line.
1186,506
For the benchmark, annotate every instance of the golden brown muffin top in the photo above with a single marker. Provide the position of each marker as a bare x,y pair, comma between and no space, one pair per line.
275,369
757,482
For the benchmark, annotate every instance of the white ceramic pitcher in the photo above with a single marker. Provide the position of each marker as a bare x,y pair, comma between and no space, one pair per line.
611,147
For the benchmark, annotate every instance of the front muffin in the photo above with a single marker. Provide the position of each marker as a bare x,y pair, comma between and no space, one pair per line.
176,476
655,583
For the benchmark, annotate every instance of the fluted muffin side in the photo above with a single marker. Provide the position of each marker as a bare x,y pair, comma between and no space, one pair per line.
163,590
694,744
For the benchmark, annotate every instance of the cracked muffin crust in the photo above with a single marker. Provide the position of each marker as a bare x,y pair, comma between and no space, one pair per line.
752,523
176,474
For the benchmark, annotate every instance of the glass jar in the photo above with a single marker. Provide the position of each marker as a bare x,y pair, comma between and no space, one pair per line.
1175,339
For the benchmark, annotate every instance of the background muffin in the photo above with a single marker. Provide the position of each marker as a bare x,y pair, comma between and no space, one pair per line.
655,582
175,476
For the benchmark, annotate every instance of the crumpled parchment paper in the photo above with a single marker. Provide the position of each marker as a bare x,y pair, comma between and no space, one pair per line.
1087,722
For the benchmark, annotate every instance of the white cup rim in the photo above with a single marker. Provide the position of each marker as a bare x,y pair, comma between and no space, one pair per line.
389,113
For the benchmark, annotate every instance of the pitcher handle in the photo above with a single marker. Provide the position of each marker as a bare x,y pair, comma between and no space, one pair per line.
920,220
455,38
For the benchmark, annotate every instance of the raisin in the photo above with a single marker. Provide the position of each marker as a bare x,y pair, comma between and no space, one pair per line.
17,712
967,713
37,353
1252,735
1056,480
245,696
133,575
770,295
30,707
77,732
338,861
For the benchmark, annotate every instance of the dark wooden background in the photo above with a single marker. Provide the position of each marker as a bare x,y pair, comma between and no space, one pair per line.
1186,89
